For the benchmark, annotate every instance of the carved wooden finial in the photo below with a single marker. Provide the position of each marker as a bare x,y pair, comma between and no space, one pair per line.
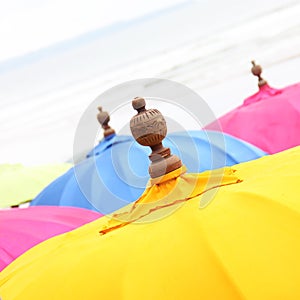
103,119
256,71
149,128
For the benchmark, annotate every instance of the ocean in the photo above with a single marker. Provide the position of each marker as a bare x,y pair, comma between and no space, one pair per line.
204,45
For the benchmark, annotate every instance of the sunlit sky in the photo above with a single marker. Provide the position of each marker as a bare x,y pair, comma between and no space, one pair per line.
29,25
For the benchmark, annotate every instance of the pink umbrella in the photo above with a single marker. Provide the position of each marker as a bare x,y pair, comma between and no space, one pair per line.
269,119
21,229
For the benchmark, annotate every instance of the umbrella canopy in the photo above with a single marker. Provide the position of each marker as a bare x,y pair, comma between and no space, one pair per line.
21,229
221,148
215,148
110,138
269,119
107,142
116,171
20,184
242,244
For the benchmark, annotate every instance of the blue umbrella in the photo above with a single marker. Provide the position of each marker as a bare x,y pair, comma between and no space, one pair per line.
107,142
210,149
115,172
109,134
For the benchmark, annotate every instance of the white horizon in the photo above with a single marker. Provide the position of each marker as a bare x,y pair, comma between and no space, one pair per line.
34,25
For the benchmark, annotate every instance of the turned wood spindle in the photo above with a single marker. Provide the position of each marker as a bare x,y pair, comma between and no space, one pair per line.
103,119
256,71
149,128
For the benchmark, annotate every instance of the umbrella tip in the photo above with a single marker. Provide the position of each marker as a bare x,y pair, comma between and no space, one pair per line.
139,104
103,119
149,128
256,71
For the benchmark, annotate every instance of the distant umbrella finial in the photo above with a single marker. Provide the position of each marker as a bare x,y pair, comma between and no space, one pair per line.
149,128
103,119
256,71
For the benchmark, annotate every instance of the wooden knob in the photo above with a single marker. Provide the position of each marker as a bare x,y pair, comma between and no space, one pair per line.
104,118
256,71
149,128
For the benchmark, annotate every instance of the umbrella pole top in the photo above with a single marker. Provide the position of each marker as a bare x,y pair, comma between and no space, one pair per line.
256,71
103,118
149,128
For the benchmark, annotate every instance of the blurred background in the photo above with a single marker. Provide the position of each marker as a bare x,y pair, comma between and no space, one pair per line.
56,57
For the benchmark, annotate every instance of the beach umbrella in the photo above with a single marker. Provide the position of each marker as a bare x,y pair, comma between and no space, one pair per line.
109,135
231,233
20,184
21,229
223,146
116,170
269,119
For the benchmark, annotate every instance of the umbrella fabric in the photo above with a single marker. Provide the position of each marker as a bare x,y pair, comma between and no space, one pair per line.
117,176
21,229
213,150
270,119
107,142
234,149
243,244
19,184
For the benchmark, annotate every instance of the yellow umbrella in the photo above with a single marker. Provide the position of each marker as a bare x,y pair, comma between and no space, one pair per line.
233,233
20,184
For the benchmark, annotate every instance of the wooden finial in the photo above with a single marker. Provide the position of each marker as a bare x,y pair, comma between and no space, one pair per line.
103,119
256,71
149,128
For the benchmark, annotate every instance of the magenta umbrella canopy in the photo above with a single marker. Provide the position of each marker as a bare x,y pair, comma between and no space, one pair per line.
21,229
269,119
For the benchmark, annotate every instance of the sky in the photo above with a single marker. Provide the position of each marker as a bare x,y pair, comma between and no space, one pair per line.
29,25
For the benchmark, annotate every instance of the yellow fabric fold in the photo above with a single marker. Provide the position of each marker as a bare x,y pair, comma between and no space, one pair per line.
165,197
